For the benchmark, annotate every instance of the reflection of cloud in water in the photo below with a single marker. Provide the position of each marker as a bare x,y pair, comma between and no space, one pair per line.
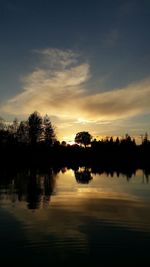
84,221
64,217
81,218
73,230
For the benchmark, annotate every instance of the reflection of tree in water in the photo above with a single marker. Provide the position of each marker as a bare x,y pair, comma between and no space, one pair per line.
35,187
40,188
145,176
83,176
33,191
49,185
32,186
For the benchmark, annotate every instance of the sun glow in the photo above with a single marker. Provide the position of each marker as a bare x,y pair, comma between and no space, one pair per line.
69,139
82,121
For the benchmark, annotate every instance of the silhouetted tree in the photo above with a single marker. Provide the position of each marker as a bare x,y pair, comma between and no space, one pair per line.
35,127
63,143
145,139
23,132
83,138
13,127
49,133
117,141
2,124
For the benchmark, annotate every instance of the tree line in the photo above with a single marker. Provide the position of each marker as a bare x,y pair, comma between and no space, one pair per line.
32,131
35,140
37,129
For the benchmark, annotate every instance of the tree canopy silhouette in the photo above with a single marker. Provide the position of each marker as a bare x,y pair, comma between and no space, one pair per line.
49,133
35,127
83,138
34,140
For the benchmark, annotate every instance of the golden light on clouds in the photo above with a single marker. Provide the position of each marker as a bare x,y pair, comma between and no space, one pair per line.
60,89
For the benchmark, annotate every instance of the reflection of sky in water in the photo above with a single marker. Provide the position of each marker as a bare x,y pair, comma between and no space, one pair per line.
105,186
109,212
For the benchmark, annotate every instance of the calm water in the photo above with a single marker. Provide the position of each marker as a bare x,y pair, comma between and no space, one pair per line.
74,218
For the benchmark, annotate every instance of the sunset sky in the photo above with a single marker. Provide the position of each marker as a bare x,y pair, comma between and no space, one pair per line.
85,63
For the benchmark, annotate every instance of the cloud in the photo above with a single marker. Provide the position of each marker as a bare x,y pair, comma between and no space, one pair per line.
59,89
120,103
56,58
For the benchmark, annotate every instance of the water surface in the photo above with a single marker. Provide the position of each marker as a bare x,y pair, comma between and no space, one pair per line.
74,218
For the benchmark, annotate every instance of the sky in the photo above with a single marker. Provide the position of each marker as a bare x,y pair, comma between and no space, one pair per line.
84,63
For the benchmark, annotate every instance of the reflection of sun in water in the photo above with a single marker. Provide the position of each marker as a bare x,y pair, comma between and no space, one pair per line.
84,189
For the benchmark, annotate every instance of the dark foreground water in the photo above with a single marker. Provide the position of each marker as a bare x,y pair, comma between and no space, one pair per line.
74,218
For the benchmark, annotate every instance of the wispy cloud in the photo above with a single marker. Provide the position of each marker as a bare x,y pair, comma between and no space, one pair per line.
57,58
59,89
120,103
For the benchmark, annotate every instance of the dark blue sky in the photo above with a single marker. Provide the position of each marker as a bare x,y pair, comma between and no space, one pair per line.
112,37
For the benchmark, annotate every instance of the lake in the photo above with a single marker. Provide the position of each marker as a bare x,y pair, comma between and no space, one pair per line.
65,217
